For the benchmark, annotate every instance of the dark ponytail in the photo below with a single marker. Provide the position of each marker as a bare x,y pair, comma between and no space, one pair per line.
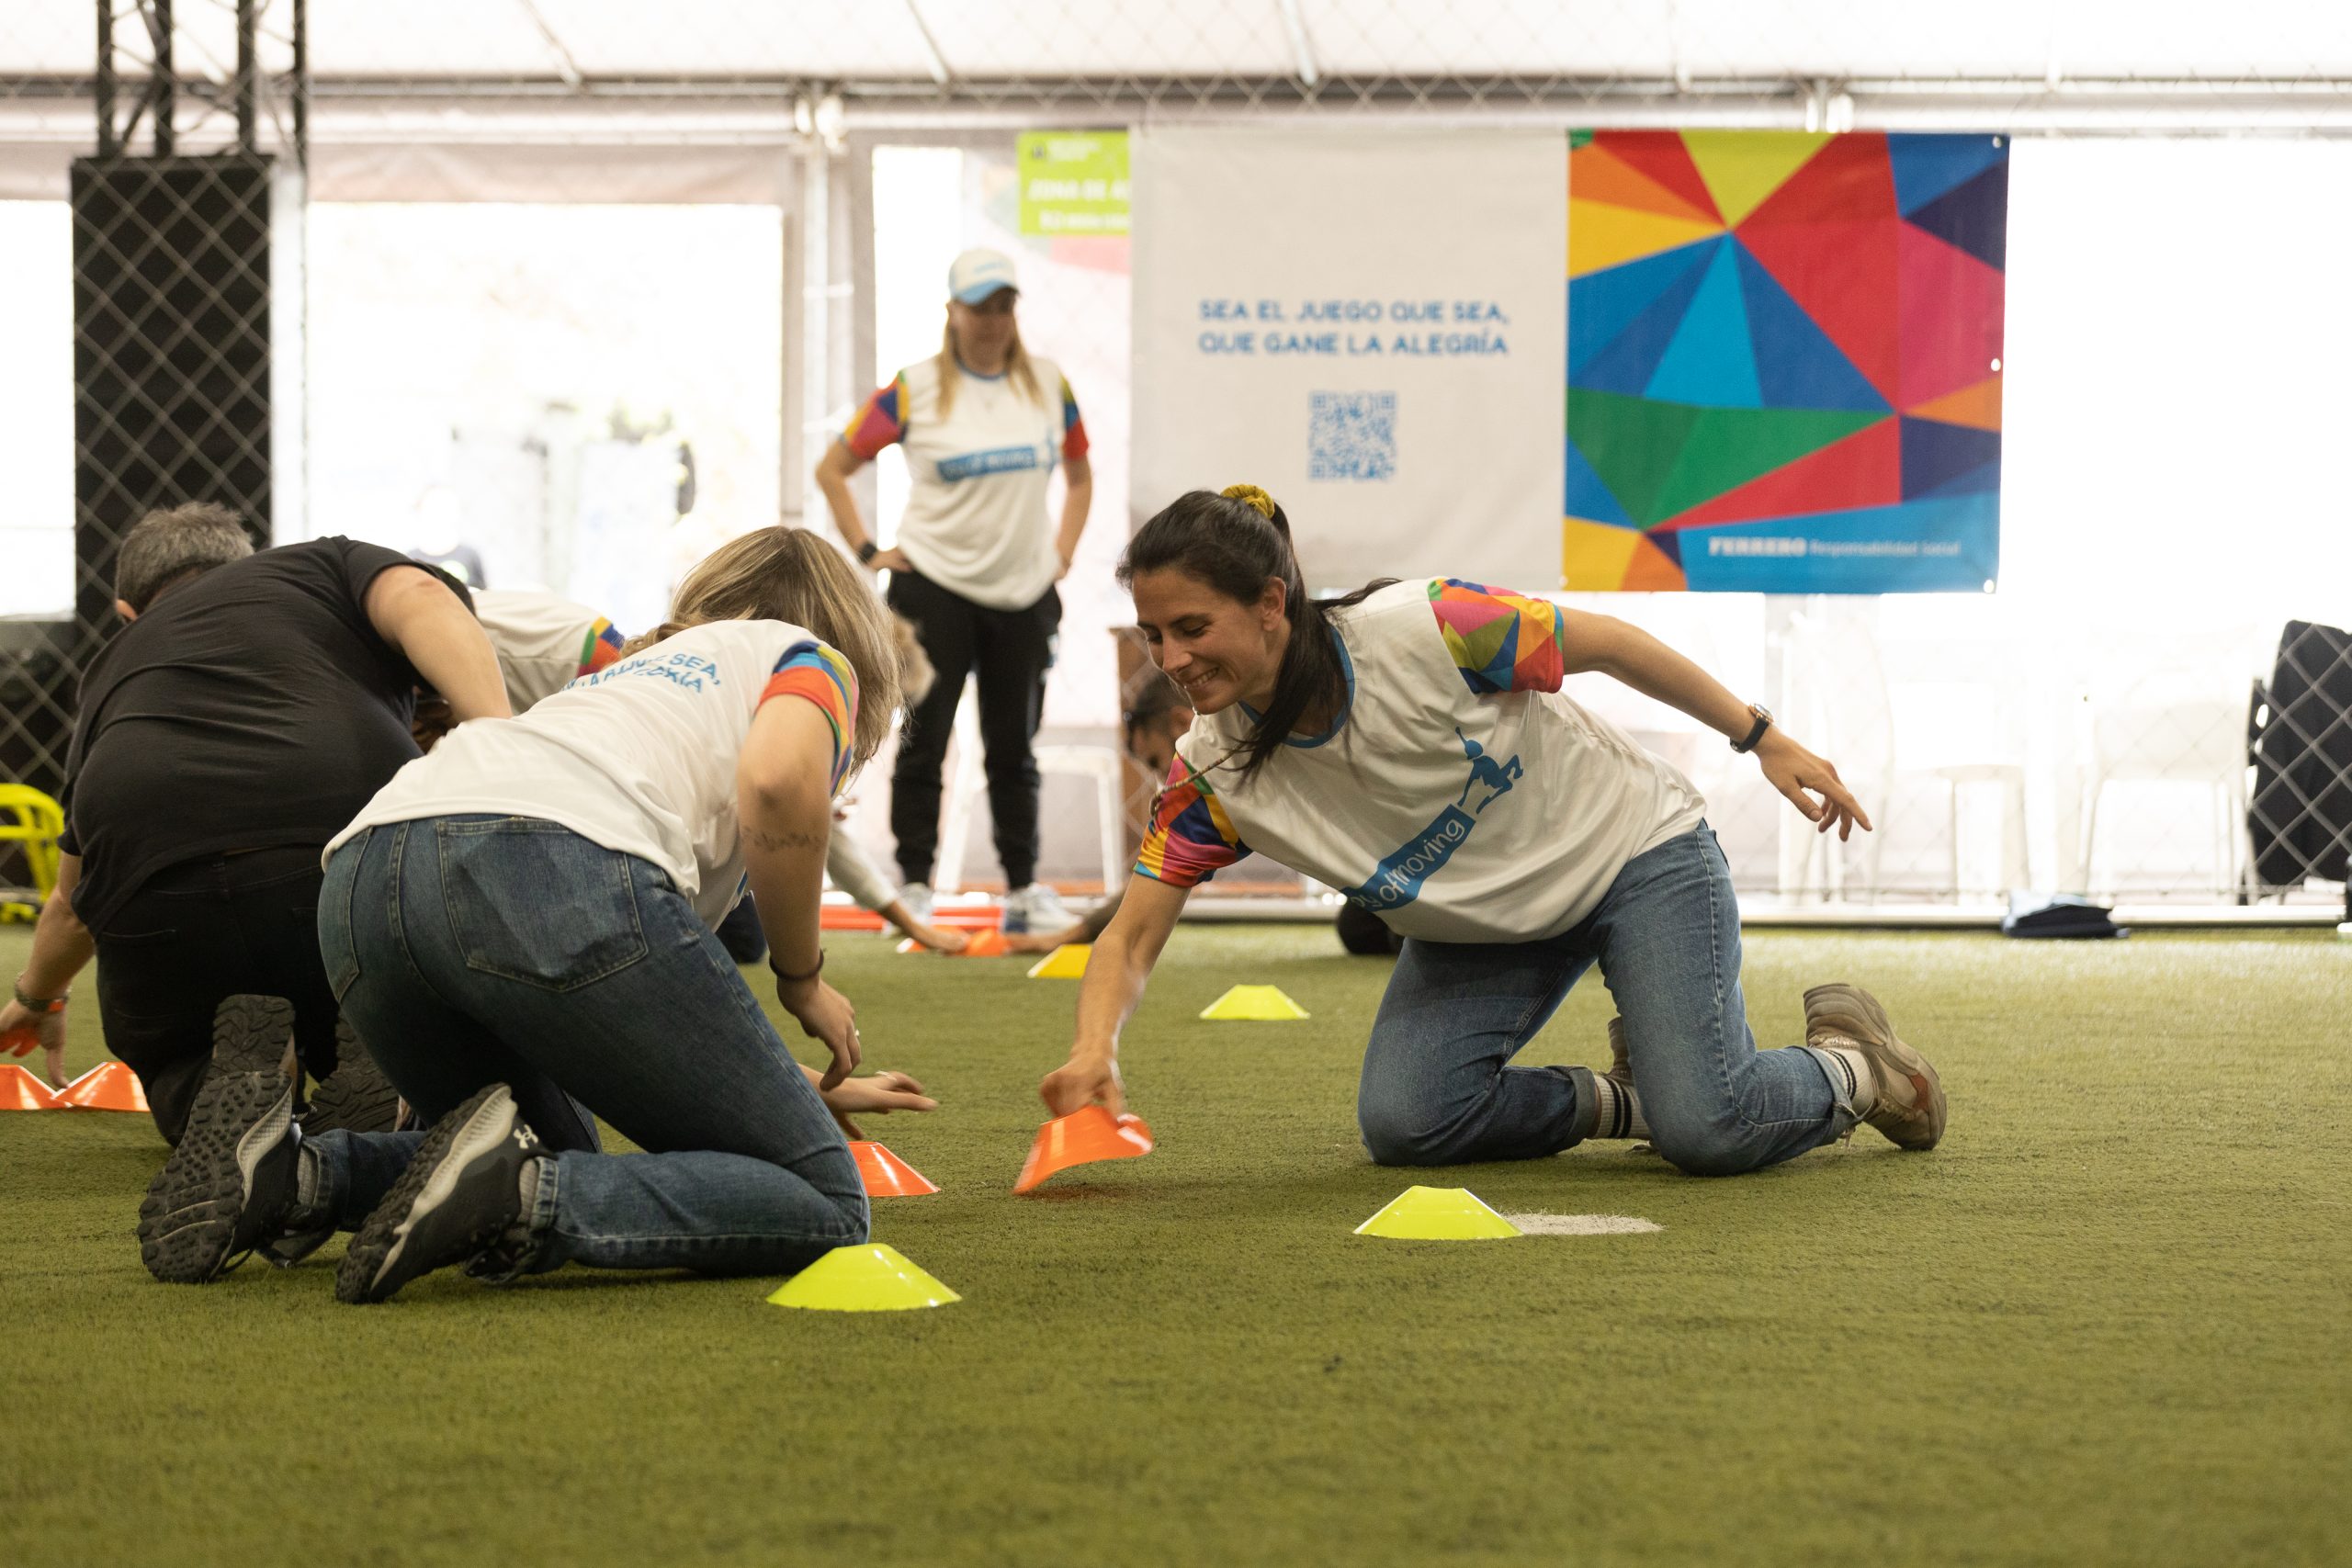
1235,543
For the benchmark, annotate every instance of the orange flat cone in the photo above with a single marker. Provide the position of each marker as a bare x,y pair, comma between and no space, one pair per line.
885,1174
20,1090
1081,1138
109,1087
986,942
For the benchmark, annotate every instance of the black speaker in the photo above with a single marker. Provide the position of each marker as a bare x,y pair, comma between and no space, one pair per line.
171,395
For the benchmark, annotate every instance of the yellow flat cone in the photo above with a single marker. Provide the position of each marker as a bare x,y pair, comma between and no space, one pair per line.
1265,1004
1066,962
1438,1213
862,1278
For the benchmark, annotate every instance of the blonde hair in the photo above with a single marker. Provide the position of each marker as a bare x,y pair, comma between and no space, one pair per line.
916,671
789,574
1017,368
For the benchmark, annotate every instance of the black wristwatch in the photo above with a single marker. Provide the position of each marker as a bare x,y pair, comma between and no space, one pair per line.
867,552
1763,722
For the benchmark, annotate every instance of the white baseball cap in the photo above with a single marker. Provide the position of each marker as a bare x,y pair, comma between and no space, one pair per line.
979,274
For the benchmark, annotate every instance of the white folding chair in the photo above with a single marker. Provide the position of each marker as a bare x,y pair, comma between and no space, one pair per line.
1841,695
2188,740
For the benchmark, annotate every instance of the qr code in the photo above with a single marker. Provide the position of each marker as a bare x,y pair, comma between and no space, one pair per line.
1352,436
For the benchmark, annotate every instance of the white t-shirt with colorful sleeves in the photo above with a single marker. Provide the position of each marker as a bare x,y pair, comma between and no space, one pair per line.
543,641
639,755
1460,795
976,521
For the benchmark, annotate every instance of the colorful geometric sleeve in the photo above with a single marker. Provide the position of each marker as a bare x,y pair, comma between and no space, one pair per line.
817,674
1191,838
882,421
1074,443
600,648
1500,641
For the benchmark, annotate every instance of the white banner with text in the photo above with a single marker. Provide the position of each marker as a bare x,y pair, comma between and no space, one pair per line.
1373,327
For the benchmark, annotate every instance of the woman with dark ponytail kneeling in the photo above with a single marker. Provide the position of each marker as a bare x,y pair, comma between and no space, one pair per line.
1410,745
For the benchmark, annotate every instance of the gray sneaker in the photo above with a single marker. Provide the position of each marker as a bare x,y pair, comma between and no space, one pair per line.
1910,1108
225,1191
917,897
1035,909
460,1198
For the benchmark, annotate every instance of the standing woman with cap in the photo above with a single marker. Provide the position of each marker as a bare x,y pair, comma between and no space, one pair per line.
983,424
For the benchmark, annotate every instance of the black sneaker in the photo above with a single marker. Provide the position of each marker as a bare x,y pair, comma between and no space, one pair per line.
460,1197
227,1186
357,1096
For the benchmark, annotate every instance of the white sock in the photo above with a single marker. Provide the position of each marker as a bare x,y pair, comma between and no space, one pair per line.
1620,1107
1850,1075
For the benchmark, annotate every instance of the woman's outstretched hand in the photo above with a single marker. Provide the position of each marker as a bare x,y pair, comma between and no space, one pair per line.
1799,775
1087,1078
877,1096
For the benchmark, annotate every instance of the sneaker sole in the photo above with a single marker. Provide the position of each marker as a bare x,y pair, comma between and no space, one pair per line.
357,1096
1927,1084
481,1123
188,1223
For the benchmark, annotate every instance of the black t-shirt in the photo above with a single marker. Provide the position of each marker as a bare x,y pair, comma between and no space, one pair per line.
250,708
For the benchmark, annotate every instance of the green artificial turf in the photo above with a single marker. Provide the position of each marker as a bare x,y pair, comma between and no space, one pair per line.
2107,1322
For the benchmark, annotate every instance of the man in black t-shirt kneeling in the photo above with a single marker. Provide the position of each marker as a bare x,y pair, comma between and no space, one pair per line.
249,708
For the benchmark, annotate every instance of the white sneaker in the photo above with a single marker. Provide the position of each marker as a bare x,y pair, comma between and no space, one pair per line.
916,896
1035,909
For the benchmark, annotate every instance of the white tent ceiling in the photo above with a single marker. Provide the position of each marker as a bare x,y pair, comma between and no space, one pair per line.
482,42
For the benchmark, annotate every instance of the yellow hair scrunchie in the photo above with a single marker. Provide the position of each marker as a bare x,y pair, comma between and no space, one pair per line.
1255,497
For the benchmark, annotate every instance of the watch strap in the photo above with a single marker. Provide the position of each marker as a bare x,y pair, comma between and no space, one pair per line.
37,1004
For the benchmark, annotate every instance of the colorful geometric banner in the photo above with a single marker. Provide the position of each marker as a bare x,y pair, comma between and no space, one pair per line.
1785,361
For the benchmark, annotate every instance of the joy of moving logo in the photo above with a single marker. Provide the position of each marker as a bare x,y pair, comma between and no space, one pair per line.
1396,880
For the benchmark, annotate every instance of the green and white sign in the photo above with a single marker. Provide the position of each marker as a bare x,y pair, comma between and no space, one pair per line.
1073,182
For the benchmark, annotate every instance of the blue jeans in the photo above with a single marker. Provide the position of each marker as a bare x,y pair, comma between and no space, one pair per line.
472,950
1666,935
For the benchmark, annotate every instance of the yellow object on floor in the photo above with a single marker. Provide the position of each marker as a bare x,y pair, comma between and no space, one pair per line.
31,819
862,1278
1066,962
1265,1004
1438,1213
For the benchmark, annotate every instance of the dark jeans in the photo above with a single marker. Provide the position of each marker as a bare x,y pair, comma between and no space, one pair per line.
741,934
1012,649
472,950
1436,1089
198,932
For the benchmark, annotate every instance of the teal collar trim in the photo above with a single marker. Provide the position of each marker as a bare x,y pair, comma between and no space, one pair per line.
1346,667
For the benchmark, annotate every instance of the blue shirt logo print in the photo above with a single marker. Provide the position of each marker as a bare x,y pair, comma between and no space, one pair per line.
1397,879
687,670
996,460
